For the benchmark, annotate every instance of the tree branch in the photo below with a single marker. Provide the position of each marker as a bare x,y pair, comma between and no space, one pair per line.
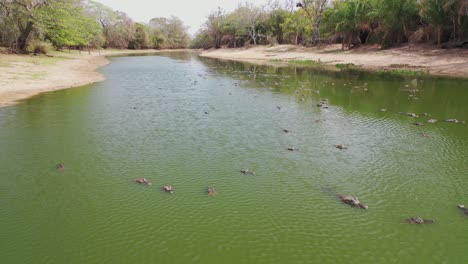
5,8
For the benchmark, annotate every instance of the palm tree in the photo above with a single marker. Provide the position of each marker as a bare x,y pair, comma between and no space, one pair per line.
457,10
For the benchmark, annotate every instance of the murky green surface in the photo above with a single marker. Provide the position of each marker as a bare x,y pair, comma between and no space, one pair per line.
148,120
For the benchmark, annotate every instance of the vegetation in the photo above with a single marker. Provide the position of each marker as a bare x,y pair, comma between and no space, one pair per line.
346,66
404,72
349,22
37,25
306,62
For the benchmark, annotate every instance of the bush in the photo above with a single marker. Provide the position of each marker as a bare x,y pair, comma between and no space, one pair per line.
40,47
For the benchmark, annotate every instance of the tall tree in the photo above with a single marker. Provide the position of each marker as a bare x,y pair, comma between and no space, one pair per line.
347,20
103,14
252,16
169,33
65,24
457,11
296,27
433,11
273,23
215,25
314,10
24,14
141,37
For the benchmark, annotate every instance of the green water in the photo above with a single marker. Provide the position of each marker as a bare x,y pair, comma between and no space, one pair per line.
148,120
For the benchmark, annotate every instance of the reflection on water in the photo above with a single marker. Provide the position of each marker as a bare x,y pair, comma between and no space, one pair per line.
193,122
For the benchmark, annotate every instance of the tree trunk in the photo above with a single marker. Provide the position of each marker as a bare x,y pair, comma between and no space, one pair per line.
343,43
217,41
24,37
254,37
316,35
280,38
318,17
439,36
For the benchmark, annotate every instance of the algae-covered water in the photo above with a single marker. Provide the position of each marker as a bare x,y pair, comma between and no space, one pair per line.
195,123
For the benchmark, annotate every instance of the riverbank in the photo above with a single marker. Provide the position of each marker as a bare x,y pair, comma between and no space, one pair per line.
23,76
422,59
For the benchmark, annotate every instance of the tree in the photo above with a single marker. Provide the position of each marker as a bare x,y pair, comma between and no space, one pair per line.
251,16
202,40
296,27
8,26
141,37
235,29
157,32
273,24
23,14
169,33
61,22
65,24
457,11
120,31
103,14
394,19
433,12
314,10
348,20
214,26
177,35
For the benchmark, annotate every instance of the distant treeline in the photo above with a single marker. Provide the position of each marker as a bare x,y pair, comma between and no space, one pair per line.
35,25
349,22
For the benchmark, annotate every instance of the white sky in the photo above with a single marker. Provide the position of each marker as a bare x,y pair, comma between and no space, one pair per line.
192,12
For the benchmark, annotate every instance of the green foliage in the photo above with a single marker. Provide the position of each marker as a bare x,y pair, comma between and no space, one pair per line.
21,17
402,72
433,12
168,33
40,47
87,23
64,24
394,17
202,40
345,66
296,27
350,22
81,23
306,62
141,38
347,20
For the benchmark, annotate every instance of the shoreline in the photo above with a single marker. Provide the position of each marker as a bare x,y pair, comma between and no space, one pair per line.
24,76
421,59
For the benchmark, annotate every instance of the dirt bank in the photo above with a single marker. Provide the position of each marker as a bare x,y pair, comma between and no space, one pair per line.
422,58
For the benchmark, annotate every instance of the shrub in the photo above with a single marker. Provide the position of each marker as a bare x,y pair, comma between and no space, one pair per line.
40,47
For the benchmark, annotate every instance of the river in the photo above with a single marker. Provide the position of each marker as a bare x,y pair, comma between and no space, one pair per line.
194,123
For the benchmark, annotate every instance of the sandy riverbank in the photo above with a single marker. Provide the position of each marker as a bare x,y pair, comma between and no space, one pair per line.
22,76
422,58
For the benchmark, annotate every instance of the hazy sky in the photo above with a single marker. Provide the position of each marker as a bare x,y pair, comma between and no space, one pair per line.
192,12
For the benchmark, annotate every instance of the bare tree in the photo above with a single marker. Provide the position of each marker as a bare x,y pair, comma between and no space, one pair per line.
290,5
251,16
